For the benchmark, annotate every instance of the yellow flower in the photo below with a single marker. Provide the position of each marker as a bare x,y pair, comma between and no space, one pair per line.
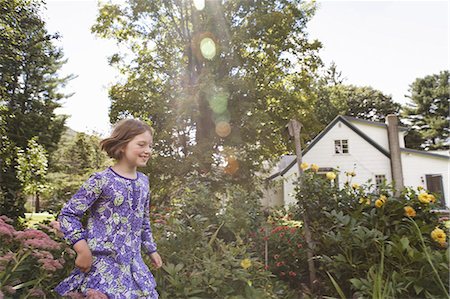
364,200
431,198
438,235
314,167
409,211
350,173
424,198
304,165
246,263
331,175
379,203
355,186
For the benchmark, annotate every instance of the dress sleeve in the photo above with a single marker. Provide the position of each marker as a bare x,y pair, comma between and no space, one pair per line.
146,235
74,209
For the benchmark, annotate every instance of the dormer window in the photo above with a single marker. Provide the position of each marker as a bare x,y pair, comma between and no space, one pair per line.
341,146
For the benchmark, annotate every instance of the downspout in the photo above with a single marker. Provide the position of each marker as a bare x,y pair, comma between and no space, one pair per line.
394,149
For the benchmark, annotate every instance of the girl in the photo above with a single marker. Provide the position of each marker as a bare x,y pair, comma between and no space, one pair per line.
109,249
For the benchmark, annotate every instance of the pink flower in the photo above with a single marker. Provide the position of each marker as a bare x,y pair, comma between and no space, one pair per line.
41,243
292,274
94,294
1,295
75,295
5,231
35,292
50,264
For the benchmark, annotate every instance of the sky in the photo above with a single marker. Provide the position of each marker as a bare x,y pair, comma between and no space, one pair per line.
382,44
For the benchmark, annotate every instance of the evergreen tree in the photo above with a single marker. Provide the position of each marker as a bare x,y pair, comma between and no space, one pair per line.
428,112
29,89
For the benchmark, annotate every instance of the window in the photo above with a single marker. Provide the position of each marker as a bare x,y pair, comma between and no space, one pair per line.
379,180
341,146
435,185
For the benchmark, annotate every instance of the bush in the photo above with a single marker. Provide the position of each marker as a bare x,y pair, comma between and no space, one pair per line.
32,261
204,239
375,244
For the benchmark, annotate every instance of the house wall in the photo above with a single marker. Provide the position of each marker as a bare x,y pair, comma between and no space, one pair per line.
378,134
416,166
363,158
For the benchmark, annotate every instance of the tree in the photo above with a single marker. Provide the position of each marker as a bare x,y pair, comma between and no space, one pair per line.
29,88
219,83
428,113
32,169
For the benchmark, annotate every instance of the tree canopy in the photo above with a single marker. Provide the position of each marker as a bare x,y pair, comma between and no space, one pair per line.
219,83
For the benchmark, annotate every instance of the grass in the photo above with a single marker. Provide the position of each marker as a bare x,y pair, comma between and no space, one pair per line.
32,218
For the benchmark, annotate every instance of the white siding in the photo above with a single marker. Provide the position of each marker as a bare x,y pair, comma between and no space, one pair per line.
378,133
363,158
416,166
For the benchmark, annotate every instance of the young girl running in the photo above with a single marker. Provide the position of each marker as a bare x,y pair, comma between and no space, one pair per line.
109,249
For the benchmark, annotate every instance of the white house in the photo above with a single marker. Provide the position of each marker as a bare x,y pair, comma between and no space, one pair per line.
373,151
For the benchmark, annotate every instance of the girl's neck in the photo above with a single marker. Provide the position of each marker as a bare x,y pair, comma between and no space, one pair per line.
125,170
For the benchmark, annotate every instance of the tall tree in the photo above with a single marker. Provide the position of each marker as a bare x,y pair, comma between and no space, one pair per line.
218,81
428,112
29,87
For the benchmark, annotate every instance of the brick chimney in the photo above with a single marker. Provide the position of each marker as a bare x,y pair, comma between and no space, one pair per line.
394,149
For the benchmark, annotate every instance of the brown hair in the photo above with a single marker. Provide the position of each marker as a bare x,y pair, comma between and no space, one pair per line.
124,131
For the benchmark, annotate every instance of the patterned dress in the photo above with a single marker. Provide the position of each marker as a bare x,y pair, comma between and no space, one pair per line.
117,228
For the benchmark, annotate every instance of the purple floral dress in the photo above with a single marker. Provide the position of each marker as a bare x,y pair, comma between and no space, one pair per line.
117,228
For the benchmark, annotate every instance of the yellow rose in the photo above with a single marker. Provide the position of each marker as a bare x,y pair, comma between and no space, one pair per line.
382,198
438,235
314,167
431,198
379,203
331,175
246,263
304,165
355,186
409,211
424,198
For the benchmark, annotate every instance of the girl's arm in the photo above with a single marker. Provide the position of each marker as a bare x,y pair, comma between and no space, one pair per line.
74,209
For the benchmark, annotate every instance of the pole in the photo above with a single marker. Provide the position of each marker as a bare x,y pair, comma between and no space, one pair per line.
295,127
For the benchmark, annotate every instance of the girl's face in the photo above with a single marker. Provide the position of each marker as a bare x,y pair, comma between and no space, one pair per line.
137,152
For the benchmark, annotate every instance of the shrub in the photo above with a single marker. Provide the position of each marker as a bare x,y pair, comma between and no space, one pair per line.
376,244
204,240
32,261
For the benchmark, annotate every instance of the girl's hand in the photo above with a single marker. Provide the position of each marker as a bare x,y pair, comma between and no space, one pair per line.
84,261
156,260
84,256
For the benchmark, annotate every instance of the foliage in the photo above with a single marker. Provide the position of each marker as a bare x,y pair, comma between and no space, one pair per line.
427,111
32,168
204,239
361,102
368,237
78,156
32,261
286,248
208,108
29,90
